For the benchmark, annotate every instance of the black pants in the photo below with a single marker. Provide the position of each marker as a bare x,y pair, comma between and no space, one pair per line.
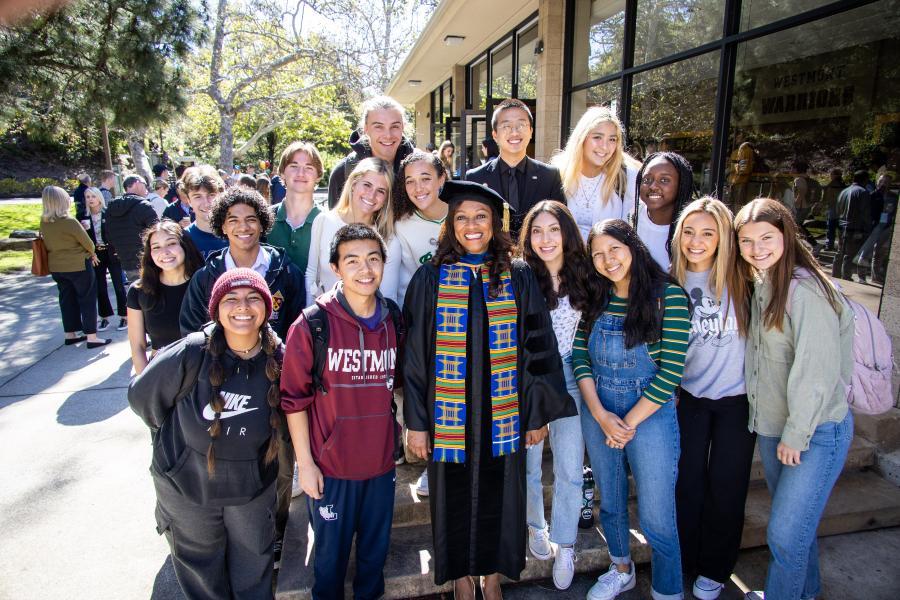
218,552
109,262
851,241
283,485
713,476
78,299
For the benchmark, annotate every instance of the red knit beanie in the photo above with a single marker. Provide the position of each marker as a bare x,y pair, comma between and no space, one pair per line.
238,278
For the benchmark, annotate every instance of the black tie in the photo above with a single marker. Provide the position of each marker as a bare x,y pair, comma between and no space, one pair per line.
513,189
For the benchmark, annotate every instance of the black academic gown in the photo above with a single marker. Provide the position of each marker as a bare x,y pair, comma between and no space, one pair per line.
478,508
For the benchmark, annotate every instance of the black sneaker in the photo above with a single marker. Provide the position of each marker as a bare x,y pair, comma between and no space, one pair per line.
276,551
104,325
123,324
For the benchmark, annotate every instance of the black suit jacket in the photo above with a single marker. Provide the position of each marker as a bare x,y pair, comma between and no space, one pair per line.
542,182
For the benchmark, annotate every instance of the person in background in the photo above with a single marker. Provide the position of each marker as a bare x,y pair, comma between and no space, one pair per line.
716,446
489,149
180,208
521,181
880,198
84,182
107,186
799,354
829,197
154,301
250,170
202,186
445,153
263,187
106,261
379,135
126,218
366,199
552,246
247,182
628,362
278,190
215,478
665,185
598,176
300,168
342,420
853,209
155,197
70,253
161,171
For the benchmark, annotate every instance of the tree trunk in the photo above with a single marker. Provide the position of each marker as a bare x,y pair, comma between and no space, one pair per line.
139,154
104,135
226,140
271,140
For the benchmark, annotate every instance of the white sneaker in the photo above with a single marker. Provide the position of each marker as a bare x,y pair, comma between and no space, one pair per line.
296,490
706,588
612,583
422,484
564,567
755,596
539,543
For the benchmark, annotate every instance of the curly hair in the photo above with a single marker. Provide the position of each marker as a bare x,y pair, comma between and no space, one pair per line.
450,251
648,282
149,279
403,206
216,346
577,278
238,195
683,196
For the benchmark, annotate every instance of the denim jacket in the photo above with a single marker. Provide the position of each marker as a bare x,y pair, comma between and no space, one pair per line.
797,378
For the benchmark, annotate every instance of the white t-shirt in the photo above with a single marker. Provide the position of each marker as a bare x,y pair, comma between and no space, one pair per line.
418,239
158,203
565,320
654,237
587,208
319,276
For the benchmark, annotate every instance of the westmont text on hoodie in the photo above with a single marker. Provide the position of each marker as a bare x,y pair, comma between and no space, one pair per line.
351,426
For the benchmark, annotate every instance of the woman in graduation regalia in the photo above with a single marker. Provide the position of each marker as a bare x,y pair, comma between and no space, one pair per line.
482,379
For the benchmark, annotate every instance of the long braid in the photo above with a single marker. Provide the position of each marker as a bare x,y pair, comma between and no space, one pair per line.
273,396
215,347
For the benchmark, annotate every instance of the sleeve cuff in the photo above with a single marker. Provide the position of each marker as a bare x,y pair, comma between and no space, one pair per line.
795,439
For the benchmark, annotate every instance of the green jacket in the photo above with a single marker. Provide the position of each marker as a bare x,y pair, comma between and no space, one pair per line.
294,241
797,378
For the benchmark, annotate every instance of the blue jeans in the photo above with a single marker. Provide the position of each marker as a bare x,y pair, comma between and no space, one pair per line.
621,374
799,495
568,465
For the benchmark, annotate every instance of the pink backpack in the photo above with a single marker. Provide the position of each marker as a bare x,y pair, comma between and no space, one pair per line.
869,391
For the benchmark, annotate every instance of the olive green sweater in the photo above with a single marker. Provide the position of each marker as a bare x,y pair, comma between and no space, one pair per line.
68,245
796,377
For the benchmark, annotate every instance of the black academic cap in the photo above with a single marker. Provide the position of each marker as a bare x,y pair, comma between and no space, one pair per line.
459,191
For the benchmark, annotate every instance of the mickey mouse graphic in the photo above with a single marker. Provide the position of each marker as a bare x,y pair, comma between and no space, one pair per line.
710,326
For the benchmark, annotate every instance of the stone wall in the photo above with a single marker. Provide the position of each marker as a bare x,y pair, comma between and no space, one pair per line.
551,29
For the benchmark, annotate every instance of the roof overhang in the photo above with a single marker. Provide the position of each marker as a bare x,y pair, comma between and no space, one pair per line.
431,61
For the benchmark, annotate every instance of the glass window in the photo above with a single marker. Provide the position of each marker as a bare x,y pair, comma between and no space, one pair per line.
527,63
478,81
665,27
598,38
673,108
813,101
501,71
755,13
446,102
605,94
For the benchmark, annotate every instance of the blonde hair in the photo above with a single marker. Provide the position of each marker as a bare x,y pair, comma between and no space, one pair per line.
56,202
384,221
724,274
96,191
380,103
571,158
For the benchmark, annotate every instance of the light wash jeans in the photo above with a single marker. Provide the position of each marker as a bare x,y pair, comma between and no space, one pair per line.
799,495
568,467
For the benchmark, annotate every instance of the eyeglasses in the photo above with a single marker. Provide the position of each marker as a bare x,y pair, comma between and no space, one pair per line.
511,127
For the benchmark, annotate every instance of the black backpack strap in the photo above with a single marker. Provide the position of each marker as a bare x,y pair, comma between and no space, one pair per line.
318,328
399,330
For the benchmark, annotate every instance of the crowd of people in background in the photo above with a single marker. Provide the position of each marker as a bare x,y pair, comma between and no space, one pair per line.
595,300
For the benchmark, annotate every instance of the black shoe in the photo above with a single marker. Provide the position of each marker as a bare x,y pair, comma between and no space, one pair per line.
75,340
276,551
123,324
97,344
104,324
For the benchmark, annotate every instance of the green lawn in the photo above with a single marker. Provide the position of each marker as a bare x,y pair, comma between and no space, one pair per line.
17,216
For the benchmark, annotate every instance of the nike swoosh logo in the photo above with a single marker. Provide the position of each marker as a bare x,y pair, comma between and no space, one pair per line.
209,414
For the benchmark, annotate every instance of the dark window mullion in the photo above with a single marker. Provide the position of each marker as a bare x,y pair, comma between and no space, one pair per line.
724,94
628,63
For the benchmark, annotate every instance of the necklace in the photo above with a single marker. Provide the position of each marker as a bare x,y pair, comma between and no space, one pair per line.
248,350
583,195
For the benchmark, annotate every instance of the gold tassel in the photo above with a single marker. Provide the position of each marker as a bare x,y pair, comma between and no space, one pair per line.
505,217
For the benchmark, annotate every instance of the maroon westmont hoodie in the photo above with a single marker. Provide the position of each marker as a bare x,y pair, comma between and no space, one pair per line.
351,426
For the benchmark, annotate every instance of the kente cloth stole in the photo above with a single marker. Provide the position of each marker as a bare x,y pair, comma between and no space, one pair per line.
451,362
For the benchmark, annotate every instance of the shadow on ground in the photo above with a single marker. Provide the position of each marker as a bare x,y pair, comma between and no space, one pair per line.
96,403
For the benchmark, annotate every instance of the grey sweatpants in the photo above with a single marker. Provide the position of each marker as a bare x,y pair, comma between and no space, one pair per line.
219,552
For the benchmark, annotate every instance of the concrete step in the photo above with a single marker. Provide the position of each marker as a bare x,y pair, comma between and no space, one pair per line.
412,509
861,500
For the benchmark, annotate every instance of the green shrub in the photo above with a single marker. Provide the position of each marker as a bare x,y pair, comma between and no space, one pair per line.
39,183
11,186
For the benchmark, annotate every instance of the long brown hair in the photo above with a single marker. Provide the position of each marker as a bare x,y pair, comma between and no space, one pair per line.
500,248
216,346
577,278
149,281
796,256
